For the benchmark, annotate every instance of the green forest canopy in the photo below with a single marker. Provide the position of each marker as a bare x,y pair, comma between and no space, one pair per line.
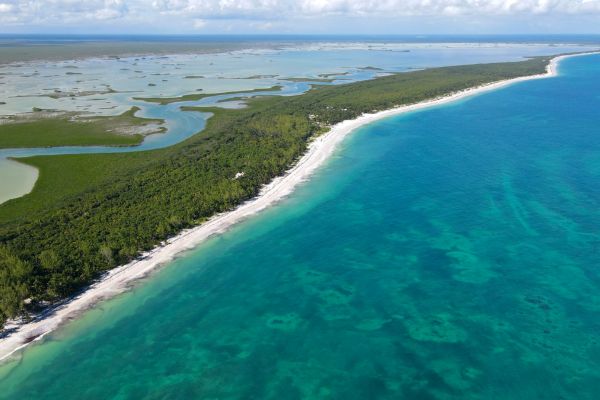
111,207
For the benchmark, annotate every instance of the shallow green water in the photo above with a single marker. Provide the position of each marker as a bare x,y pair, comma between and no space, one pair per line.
20,178
448,254
82,85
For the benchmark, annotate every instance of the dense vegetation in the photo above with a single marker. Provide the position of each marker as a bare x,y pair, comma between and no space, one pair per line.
68,131
200,96
50,250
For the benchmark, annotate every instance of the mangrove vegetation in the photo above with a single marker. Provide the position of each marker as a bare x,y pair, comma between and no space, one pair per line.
90,213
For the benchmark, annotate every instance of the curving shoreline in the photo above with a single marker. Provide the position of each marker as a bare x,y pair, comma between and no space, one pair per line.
120,279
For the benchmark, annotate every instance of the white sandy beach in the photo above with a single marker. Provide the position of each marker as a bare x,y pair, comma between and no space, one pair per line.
121,278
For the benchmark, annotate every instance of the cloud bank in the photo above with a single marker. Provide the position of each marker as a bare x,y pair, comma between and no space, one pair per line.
202,14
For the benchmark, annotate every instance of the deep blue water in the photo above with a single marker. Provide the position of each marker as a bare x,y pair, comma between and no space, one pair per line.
452,253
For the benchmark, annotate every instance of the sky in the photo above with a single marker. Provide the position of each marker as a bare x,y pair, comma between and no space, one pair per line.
300,17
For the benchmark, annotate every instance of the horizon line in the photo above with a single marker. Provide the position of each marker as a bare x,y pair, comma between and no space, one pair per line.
294,34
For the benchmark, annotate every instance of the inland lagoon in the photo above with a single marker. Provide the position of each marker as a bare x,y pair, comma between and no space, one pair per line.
87,86
448,253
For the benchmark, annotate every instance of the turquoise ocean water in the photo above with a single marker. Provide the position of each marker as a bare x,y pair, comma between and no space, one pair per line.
452,253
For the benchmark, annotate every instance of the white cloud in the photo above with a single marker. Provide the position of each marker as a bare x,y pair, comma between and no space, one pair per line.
62,11
221,8
196,13
5,7
447,7
199,23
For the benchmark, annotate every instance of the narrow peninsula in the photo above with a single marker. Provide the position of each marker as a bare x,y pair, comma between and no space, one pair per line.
130,204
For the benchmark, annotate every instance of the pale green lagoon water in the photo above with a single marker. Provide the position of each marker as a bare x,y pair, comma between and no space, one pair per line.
108,85
20,178
452,253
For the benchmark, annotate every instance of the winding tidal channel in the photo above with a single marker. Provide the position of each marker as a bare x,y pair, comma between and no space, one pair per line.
239,73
